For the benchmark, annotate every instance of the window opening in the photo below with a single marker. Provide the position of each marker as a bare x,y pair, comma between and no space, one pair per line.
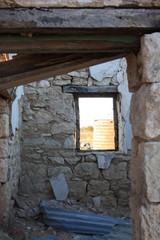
96,123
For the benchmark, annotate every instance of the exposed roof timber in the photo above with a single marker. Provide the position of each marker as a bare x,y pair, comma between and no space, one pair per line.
31,68
49,20
68,43
78,4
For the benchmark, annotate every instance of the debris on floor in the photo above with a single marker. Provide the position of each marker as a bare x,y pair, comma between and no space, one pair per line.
3,236
78,222
45,238
27,220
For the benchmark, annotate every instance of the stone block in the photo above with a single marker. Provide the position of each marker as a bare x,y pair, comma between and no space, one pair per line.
4,125
149,222
104,160
116,171
73,160
58,160
148,155
145,112
87,171
90,158
60,187
109,201
77,189
97,187
69,142
3,170
150,55
4,148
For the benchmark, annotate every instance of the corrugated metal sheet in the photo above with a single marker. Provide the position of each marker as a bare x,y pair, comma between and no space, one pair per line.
77,222
103,134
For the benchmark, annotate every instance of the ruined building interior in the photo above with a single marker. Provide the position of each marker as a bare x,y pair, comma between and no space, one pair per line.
56,58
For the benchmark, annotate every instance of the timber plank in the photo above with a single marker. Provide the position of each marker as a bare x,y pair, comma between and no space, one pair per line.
21,19
68,43
31,71
91,89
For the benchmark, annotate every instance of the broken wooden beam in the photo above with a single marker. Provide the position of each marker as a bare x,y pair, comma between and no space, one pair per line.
68,43
49,20
23,70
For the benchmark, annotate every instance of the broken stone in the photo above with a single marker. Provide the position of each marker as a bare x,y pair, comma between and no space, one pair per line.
60,187
104,160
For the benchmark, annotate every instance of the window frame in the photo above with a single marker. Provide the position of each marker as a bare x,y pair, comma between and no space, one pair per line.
94,91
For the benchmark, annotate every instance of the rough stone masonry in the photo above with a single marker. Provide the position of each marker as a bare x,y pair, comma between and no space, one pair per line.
48,147
145,119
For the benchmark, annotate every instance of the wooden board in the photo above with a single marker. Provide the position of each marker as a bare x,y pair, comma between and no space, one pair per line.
36,67
42,20
91,89
68,43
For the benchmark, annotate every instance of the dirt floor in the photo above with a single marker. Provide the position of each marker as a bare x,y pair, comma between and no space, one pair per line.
26,221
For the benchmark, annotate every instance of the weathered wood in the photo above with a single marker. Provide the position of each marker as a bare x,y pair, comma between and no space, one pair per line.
78,4
68,43
41,20
92,89
34,68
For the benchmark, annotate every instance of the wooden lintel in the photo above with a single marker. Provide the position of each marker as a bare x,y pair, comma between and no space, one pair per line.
41,20
68,43
31,69
91,89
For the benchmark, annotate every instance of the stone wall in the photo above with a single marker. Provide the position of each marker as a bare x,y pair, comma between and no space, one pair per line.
79,3
9,161
47,149
144,81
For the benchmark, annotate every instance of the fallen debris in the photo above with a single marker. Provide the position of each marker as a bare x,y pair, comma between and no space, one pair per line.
78,222
60,187
4,237
53,237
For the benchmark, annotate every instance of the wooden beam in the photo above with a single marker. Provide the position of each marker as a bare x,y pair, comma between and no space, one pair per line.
48,20
40,66
91,89
68,43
